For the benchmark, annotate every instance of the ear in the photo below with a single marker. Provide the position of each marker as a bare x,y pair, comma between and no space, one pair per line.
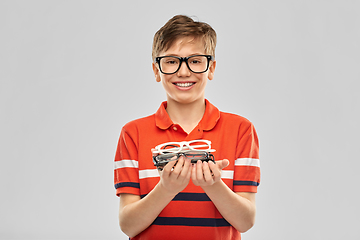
212,70
156,72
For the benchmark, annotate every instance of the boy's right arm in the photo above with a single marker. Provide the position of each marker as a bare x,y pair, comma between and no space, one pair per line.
135,214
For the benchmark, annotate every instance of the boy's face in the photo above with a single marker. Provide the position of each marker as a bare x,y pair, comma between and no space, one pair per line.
184,86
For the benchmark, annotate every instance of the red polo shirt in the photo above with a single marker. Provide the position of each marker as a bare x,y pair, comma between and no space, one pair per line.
191,214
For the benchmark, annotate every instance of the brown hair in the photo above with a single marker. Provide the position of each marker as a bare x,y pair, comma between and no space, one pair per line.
183,26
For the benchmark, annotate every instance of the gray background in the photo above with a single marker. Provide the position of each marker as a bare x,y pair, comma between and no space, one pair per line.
74,72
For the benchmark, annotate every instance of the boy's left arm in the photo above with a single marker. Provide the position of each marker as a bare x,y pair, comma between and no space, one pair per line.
238,208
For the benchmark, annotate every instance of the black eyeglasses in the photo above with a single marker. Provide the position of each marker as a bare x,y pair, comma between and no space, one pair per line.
195,63
162,159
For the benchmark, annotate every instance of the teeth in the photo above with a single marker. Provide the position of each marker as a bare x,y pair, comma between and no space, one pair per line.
184,84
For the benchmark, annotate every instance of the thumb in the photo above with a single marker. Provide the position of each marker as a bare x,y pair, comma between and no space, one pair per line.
222,163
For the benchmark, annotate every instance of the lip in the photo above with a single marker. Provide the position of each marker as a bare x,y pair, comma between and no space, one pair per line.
184,88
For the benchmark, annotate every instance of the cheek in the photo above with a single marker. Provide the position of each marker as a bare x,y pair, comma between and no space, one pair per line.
204,79
165,79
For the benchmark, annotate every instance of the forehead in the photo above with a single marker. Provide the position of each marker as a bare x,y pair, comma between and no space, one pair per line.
186,46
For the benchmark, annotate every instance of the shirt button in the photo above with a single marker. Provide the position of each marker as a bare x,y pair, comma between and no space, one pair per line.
175,128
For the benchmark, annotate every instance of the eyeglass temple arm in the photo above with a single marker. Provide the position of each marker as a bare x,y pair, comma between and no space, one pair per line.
176,149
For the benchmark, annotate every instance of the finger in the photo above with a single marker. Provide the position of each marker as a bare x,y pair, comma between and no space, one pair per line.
199,171
179,165
188,176
168,168
206,172
186,168
216,172
193,174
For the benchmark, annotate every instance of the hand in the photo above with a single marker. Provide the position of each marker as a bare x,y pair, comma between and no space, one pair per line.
207,173
175,178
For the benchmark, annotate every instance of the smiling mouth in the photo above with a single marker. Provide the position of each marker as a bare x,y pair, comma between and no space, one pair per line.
187,84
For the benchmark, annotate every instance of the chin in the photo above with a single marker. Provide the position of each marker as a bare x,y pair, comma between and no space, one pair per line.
187,100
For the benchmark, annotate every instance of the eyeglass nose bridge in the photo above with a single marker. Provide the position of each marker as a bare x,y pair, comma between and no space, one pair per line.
183,59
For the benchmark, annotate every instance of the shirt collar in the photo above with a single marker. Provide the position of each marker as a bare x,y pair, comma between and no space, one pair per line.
208,122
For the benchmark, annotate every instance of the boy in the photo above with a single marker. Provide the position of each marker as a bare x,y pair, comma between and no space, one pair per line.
187,199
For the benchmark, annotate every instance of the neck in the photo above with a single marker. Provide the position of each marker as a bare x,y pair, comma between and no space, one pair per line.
187,115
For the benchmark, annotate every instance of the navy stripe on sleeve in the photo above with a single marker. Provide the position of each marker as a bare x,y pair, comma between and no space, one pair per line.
247,183
192,222
127,184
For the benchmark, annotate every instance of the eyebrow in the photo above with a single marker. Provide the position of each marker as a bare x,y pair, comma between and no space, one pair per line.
176,55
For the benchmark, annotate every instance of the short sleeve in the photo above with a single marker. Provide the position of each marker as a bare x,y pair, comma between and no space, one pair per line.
247,163
126,166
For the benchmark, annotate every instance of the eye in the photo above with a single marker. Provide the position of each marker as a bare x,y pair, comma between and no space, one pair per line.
170,61
195,61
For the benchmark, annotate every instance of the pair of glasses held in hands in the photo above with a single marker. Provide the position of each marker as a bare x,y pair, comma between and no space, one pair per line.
194,150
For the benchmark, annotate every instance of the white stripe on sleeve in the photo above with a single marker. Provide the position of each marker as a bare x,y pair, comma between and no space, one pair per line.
148,173
247,162
126,163
227,174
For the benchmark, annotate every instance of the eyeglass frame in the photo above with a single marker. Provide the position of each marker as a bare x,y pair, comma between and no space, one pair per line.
208,157
185,59
186,144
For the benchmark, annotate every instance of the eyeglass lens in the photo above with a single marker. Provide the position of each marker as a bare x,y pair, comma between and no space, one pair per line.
197,64
161,160
175,156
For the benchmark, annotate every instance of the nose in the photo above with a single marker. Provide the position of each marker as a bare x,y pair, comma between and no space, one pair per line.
184,71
